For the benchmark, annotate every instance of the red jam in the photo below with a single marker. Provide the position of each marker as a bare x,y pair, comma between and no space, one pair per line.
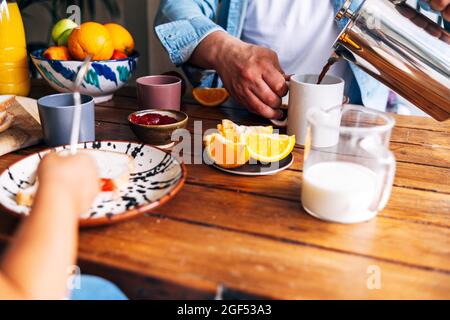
152,119
107,185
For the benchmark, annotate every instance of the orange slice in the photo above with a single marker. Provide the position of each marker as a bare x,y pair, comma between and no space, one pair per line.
270,147
226,153
238,133
210,97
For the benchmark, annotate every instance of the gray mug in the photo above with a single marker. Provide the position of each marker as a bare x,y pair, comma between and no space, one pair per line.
56,113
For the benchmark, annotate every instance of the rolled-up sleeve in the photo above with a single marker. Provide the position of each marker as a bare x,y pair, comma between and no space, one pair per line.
182,25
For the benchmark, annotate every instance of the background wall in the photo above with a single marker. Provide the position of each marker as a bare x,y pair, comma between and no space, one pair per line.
159,62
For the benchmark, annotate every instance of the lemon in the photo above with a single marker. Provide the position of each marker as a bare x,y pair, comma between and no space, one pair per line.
269,147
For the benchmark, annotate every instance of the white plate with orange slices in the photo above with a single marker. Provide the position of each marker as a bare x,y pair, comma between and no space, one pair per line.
249,150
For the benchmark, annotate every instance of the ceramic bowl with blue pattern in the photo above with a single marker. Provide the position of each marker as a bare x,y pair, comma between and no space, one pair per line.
102,80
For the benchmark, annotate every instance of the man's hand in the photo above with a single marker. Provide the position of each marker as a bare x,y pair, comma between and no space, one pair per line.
443,6
251,74
74,178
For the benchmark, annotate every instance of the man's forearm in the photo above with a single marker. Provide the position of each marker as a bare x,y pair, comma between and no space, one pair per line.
210,50
36,264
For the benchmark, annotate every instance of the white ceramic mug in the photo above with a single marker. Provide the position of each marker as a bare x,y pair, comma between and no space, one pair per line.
304,95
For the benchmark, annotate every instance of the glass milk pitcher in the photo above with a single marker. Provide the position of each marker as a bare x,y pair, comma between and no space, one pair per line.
348,170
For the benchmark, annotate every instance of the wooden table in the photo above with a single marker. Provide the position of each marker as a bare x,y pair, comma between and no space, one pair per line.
249,237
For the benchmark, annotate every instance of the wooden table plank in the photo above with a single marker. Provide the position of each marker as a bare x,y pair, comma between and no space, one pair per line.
196,255
422,177
422,123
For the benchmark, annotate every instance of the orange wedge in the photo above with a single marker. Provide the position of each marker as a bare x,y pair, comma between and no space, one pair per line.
269,147
226,153
210,97
238,133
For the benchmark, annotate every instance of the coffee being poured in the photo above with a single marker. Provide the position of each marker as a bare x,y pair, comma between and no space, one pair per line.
331,61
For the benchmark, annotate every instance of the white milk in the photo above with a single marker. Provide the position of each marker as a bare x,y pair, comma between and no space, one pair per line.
339,191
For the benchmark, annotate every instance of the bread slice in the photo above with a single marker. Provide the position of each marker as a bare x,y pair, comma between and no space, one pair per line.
26,197
114,171
6,121
6,118
6,101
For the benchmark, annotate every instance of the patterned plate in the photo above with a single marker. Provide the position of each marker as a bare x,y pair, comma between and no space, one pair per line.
157,177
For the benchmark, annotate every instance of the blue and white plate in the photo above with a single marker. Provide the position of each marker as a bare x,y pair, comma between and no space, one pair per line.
102,80
157,176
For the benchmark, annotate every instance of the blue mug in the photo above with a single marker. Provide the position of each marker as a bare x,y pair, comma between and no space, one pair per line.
56,113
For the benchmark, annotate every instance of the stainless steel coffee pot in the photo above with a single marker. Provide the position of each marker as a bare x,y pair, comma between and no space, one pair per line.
401,48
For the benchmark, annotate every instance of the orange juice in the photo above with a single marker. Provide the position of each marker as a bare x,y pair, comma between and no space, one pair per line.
14,74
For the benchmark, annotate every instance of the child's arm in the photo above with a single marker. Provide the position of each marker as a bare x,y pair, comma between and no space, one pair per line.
36,265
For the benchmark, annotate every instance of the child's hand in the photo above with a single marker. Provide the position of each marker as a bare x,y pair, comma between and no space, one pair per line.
73,178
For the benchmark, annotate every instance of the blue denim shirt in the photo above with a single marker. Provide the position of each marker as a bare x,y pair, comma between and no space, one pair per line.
182,24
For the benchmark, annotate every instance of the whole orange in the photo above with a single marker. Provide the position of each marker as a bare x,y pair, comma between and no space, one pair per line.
91,38
122,39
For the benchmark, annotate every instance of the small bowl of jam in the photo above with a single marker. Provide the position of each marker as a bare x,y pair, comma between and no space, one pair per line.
155,127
